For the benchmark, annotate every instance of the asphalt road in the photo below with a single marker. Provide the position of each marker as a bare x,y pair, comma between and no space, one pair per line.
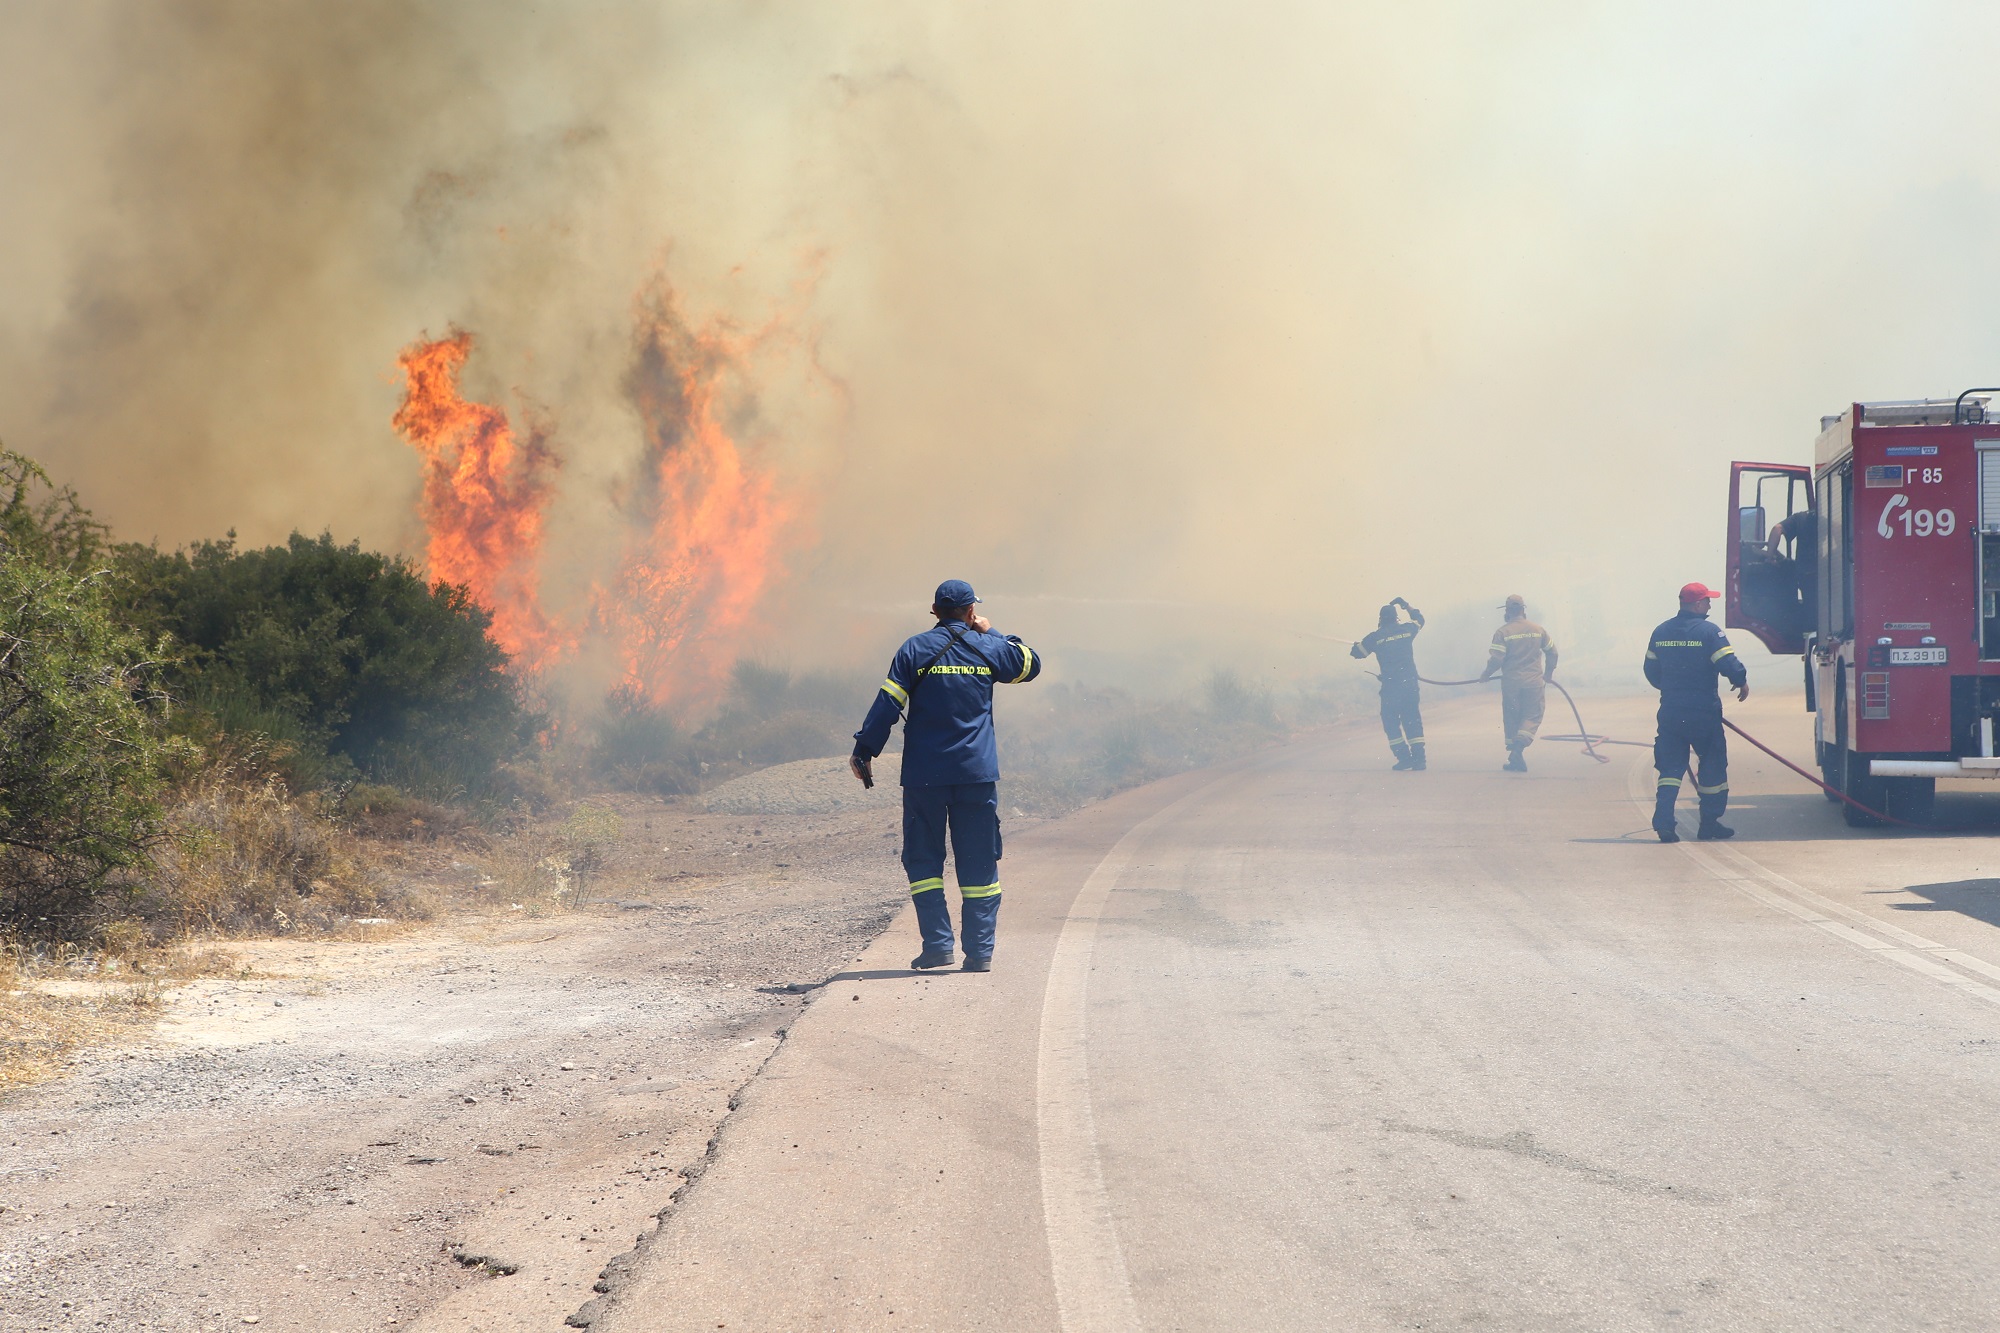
1307,1044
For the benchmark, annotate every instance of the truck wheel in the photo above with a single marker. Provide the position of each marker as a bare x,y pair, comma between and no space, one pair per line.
1912,800
1864,787
1831,774
1833,756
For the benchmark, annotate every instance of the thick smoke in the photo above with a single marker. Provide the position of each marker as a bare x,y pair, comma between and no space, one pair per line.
1178,329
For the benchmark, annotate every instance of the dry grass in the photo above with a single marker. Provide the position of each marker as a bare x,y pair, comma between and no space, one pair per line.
255,859
53,1004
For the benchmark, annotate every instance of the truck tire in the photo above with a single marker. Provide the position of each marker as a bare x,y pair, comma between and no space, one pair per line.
1833,757
1912,800
1864,787
1830,773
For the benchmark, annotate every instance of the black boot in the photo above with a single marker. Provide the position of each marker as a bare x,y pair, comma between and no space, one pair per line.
1402,753
1714,832
1417,760
1663,812
1515,763
924,962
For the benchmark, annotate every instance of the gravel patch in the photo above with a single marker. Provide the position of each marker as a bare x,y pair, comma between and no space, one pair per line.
807,787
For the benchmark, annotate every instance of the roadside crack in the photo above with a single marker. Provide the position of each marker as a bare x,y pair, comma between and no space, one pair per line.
619,1267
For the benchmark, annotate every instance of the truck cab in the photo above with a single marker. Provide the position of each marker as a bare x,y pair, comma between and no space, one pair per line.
1879,565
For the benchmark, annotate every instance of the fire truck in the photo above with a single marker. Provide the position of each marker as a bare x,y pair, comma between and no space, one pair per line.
1880,566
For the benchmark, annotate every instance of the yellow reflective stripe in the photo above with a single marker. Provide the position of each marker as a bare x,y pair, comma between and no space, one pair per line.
1669,782
961,671
979,890
1512,637
1027,664
1710,791
1497,651
896,692
1415,740
1679,643
1652,656
1724,651
925,885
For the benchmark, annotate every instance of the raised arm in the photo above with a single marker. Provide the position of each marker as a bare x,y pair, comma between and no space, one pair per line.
1014,662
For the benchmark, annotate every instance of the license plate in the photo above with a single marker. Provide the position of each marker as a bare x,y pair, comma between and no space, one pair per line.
1916,656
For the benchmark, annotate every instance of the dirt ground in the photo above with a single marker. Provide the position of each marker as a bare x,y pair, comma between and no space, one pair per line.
456,1127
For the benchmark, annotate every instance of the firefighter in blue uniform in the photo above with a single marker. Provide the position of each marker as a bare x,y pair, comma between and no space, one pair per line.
943,679
1394,645
1683,660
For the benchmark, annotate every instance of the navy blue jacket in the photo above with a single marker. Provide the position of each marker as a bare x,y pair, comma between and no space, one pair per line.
949,736
1394,647
1685,657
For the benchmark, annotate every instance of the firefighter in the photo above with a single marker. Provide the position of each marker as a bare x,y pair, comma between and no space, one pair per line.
943,680
1801,529
1683,659
1393,644
1525,657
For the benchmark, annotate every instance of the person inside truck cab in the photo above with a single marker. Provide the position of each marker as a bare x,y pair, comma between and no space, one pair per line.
1802,530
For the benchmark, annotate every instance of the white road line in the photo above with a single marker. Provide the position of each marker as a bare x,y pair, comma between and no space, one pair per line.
1093,1291
1881,938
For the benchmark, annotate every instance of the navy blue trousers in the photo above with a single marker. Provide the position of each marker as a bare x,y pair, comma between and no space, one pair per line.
969,813
1402,718
1683,731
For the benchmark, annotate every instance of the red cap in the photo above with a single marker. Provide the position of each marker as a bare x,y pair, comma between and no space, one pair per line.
1694,592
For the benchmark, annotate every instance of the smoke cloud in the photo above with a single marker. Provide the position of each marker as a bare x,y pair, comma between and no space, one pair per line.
1183,331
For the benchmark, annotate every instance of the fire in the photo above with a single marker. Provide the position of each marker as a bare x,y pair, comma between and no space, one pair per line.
711,522
484,496
706,522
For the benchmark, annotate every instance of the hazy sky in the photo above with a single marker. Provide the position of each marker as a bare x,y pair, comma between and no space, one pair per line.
1165,324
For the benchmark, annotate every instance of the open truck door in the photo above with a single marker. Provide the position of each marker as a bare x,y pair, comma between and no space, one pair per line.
1772,586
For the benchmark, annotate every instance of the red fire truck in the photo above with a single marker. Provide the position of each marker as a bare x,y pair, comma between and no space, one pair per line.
1880,566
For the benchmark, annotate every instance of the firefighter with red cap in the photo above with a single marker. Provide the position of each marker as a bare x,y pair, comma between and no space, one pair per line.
1683,661
1525,656
941,683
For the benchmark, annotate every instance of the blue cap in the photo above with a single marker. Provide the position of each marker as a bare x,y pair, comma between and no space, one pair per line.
953,594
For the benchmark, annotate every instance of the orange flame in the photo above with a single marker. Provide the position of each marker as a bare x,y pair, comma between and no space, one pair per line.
707,522
712,522
484,496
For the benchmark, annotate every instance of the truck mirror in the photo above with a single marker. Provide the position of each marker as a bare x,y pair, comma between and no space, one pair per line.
1750,525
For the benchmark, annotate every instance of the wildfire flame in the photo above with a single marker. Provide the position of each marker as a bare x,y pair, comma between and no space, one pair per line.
712,523
706,522
484,496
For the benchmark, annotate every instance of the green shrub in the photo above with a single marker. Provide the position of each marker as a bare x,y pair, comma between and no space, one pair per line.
79,755
44,524
346,658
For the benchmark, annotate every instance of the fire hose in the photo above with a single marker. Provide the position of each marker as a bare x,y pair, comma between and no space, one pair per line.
1590,741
